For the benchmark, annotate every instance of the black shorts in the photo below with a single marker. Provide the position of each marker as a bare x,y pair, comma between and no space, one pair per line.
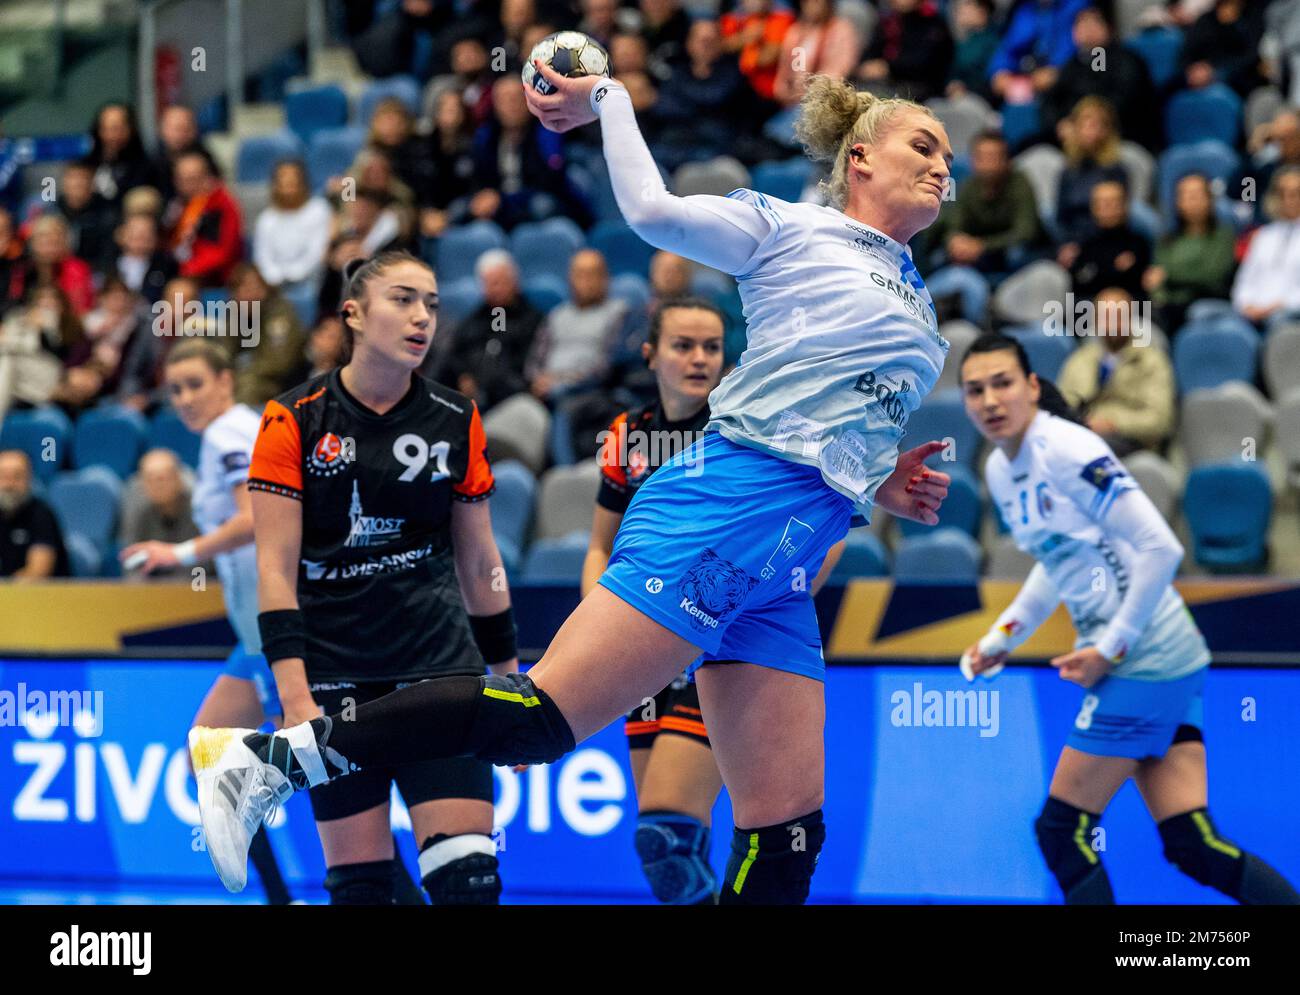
673,711
425,781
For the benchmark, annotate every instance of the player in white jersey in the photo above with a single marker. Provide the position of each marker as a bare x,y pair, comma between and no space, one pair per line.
716,550
1105,551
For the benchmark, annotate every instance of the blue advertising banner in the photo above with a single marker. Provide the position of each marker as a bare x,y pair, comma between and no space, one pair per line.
932,788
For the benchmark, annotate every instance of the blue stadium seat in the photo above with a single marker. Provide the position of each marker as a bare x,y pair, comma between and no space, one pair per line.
1213,159
545,247
167,431
456,301
110,436
258,155
940,556
1145,220
962,509
1212,113
545,292
1020,123
1047,353
624,250
942,416
84,557
864,556
1210,307
404,88
557,562
1209,353
460,246
86,503
1160,49
332,152
312,110
631,288
1228,507
784,180
512,505
30,430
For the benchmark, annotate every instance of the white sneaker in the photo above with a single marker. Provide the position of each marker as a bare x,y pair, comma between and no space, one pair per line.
237,792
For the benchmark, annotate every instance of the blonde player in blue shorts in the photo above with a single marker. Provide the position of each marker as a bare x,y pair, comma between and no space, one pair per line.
802,442
1106,552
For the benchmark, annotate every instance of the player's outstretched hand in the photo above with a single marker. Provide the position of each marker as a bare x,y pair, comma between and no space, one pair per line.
913,490
569,106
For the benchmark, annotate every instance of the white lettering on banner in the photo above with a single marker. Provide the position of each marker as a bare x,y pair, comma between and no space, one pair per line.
585,777
31,805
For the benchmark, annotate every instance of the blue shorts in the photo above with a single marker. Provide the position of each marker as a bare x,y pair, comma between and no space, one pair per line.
253,667
1121,717
721,546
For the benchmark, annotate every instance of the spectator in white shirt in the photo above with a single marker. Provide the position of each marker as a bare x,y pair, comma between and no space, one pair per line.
293,233
1268,282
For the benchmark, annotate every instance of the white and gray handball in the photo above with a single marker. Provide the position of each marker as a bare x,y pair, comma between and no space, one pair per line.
569,53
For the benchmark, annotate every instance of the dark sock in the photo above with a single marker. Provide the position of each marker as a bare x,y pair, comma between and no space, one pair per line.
268,870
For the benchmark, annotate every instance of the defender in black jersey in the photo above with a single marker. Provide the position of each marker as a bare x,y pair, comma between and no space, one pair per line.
676,777
370,492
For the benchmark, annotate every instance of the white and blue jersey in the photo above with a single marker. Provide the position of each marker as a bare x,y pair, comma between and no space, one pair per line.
842,345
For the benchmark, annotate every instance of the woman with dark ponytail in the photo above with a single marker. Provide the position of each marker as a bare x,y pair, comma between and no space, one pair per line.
1103,549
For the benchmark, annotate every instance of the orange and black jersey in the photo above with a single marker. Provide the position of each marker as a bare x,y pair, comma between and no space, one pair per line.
376,581
637,443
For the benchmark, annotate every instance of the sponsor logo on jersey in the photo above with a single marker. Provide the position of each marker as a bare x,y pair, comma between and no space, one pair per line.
368,530
887,392
328,457
866,247
911,303
386,564
1101,472
868,234
1044,500
713,589
232,462
792,539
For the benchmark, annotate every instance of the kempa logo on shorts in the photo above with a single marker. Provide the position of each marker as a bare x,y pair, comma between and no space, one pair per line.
654,585
688,606
77,949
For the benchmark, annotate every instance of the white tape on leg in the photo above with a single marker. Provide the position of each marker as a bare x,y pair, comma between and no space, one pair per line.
303,743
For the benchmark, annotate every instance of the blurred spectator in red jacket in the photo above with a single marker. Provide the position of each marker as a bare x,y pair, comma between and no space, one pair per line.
208,239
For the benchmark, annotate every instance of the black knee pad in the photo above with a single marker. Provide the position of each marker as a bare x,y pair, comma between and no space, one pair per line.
674,852
370,883
1194,846
1064,838
774,865
460,870
517,723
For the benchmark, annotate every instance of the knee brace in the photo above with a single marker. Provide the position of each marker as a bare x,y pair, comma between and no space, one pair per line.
774,865
370,883
1063,837
1194,846
517,723
674,852
460,870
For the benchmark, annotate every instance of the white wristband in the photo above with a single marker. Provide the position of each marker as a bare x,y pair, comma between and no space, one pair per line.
599,91
184,553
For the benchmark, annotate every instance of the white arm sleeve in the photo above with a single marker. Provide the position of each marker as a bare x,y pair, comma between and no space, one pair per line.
1035,602
717,231
1133,518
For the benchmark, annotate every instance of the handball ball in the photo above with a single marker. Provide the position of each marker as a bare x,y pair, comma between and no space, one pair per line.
569,53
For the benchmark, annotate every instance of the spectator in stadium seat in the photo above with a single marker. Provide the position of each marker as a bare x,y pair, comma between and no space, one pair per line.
1266,285
31,541
12,265
138,261
753,32
35,342
117,155
156,507
598,20
573,346
992,225
93,368
1125,389
827,43
630,60
910,53
519,167
1091,142
177,313
91,220
471,77
373,221
208,239
279,359
392,131
483,357
1112,254
373,170
178,132
670,277
325,346
450,147
664,25
292,234
1037,40
1100,66
700,102
49,260
1196,259
1273,144
1222,46
976,39
516,16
